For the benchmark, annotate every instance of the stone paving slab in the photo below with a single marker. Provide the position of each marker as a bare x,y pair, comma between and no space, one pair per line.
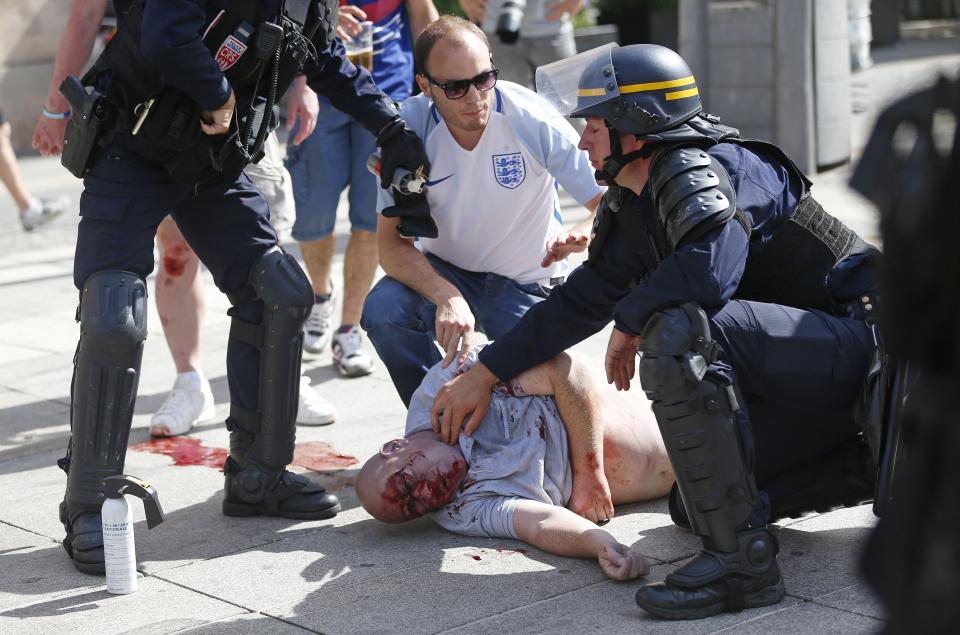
605,607
170,609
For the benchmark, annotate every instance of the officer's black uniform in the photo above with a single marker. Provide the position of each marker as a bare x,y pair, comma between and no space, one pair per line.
746,296
160,71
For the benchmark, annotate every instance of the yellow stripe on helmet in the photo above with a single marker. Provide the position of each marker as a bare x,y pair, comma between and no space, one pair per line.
680,94
673,83
591,92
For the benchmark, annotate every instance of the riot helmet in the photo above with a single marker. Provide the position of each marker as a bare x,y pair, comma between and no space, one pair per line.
642,89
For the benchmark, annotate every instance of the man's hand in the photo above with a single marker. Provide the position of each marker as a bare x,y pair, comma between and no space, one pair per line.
591,497
563,245
214,122
620,562
621,359
555,10
302,103
48,136
474,9
349,24
454,328
468,394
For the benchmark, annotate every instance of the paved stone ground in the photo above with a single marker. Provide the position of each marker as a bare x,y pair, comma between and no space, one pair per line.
205,573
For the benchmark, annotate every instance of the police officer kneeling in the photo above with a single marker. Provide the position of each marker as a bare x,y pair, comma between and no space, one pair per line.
744,299
181,100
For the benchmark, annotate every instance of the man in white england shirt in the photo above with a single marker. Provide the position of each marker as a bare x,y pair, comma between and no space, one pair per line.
497,156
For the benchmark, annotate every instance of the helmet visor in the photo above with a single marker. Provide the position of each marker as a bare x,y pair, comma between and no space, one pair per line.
573,85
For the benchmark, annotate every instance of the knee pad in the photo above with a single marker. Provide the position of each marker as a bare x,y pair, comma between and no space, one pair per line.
113,327
696,412
676,348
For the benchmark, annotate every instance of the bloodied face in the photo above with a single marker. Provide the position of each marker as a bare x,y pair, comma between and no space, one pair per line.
410,477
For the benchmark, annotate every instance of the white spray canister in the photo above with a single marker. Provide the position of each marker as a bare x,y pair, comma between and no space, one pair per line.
119,552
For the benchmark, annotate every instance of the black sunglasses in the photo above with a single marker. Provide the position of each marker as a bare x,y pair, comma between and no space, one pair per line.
457,88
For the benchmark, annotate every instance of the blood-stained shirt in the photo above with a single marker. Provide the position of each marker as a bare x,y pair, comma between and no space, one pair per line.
518,452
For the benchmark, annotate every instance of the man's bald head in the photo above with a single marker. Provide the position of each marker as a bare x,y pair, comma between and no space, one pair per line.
410,477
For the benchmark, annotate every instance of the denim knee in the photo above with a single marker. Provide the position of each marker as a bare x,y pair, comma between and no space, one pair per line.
391,304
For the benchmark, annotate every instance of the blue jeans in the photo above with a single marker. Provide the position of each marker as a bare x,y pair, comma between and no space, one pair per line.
401,323
331,158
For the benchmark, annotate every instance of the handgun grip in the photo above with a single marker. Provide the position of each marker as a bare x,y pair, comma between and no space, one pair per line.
73,90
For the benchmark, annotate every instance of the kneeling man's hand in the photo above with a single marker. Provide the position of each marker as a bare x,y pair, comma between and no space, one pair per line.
454,328
591,497
620,562
564,245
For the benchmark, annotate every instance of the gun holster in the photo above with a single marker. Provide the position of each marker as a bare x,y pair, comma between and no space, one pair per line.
90,128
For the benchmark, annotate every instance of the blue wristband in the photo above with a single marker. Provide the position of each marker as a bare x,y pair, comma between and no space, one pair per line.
55,115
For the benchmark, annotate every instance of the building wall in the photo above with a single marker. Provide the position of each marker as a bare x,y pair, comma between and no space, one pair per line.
31,32
776,69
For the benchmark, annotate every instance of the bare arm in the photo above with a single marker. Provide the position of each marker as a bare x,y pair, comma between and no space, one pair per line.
402,261
422,13
76,44
558,530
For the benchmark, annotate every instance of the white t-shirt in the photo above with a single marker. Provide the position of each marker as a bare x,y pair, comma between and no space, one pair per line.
497,206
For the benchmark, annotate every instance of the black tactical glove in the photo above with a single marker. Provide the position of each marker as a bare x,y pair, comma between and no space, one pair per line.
414,214
400,147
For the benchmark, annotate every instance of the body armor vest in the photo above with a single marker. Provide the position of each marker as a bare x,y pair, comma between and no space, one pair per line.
161,122
791,269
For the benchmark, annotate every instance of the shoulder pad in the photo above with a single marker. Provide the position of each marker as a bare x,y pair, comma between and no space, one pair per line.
691,190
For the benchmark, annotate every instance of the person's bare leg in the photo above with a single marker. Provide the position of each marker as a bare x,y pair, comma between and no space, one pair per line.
359,267
318,256
180,300
9,172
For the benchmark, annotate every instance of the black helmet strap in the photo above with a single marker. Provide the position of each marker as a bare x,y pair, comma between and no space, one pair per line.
617,159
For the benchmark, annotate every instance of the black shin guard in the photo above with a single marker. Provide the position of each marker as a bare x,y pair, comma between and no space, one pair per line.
262,442
695,413
113,326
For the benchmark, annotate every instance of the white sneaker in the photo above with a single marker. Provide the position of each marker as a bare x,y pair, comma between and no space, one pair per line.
348,354
317,329
314,410
42,211
190,401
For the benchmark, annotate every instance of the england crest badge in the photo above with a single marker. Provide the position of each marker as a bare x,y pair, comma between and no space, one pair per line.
509,169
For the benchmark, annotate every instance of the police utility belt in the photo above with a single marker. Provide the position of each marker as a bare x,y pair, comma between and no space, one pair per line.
125,97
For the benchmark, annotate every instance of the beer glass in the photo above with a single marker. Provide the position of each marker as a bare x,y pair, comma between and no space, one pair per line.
360,49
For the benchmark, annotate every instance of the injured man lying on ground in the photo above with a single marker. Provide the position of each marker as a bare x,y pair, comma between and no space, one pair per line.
555,451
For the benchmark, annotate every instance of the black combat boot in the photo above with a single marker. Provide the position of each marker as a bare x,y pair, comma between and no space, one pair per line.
717,582
254,490
84,539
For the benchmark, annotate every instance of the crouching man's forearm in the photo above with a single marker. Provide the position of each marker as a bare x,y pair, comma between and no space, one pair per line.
558,530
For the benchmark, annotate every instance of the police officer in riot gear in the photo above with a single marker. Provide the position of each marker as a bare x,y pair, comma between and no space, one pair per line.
745,300
188,90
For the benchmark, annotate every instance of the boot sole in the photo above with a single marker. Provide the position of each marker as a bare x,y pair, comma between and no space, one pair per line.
91,569
764,597
246,510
